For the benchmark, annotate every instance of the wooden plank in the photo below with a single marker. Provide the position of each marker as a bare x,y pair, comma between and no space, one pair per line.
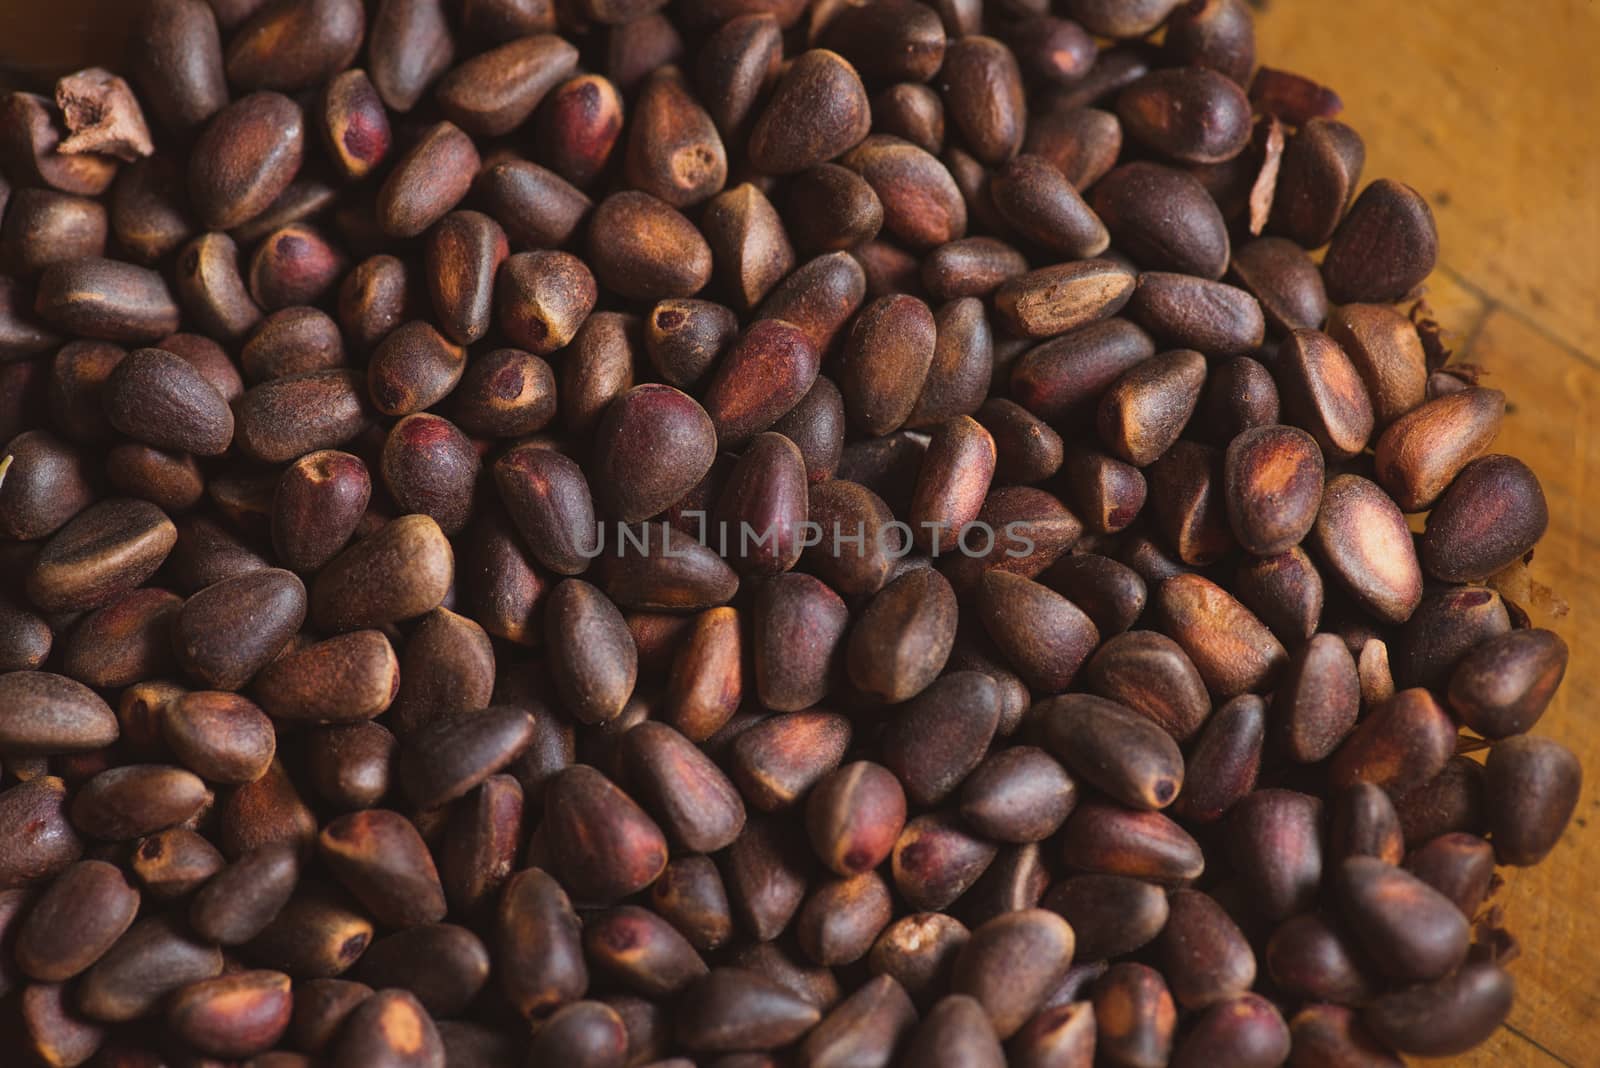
1554,426
1487,107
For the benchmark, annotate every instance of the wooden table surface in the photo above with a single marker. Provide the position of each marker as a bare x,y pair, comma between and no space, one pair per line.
1490,108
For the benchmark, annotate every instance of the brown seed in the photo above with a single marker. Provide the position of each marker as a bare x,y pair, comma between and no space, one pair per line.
109,547
594,655
902,639
644,249
1502,686
100,298
1492,514
654,444
762,507
354,125
832,207
1317,180
736,65
381,859
1152,675
735,1009
320,499
543,298
1189,114
449,757
1531,789
941,735
237,904
31,149
427,181
922,205
936,860
1399,746
1323,392
1187,493
134,800
970,267
295,45
1385,246
841,918
1443,1018
865,1028
53,846
233,1015
78,918
1413,932
1058,299
1221,768
1017,795
287,418
1205,956
1145,410
344,679
1163,218
1134,1016
1318,699
1067,374
538,949
605,845
1111,915
690,895
1117,750
46,484
640,950
1082,143
537,208
748,242
547,497
819,297
49,714
778,760
684,337
156,397
853,817
219,736
761,377
1364,540
292,341
431,468
1275,840
706,681
155,957
391,1028
674,151
465,249
696,804
247,156
179,69
578,124
267,811
445,966
496,91
1445,625
1273,487
817,111
1187,312
212,289
402,571
1423,451
293,265
984,96
663,569
351,765
44,227
1311,959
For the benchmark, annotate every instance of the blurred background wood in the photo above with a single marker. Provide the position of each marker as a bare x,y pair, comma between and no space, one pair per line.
1488,108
